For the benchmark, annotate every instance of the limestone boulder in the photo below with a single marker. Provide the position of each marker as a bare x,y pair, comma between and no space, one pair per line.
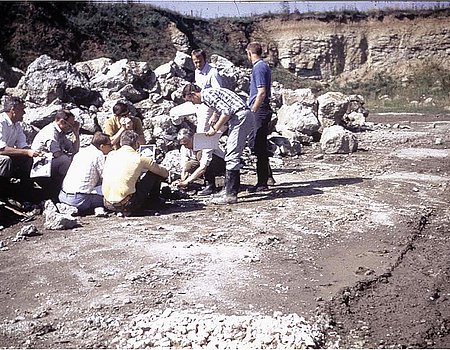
332,107
336,139
46,80
93,67
297,118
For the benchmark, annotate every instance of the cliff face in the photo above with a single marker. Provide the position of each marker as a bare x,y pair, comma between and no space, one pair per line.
314,48
323,46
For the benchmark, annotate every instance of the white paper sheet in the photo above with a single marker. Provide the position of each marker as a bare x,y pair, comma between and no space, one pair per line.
201,141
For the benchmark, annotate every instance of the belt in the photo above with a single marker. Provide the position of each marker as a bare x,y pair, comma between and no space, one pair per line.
243,109
69,194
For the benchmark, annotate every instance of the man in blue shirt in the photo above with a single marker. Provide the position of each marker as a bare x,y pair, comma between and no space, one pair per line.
260,89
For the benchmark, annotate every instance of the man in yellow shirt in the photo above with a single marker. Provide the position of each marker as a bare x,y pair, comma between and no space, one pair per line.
124,188
121,121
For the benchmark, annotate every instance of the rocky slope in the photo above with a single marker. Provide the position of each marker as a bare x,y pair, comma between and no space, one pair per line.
312,45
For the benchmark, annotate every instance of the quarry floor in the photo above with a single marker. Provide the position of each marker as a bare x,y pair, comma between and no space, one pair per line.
356,244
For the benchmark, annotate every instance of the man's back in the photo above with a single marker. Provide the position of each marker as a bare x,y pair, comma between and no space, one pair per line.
122,170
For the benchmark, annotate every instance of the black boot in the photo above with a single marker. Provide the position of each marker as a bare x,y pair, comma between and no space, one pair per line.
232,183
210,188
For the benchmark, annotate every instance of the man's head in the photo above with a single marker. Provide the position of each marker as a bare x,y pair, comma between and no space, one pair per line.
15,108
185,137
129,138
102,142
65,120
198,58
121,109
254,51
191,93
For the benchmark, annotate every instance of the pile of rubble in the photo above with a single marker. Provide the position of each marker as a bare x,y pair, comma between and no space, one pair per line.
181,329
90,89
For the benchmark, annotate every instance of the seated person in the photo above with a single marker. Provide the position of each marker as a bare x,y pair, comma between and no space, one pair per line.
53,138
15,155
81,187
124,188
122,120
208,162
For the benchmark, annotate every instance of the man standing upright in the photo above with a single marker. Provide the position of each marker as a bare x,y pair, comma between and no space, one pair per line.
260,89
205,77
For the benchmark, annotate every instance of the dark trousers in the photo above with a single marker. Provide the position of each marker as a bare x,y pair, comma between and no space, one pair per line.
15,166
215,168
261,145
146,195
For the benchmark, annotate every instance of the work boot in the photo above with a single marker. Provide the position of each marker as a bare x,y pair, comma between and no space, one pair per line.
232,183
209,189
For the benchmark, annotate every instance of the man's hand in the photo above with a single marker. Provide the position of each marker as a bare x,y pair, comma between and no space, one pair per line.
211,131
182,183
76,127
34,153
127,123
213,119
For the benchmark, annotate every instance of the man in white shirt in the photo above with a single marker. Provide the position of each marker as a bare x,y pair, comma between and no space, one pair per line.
205,77
82,185
209,163
53,138
15,155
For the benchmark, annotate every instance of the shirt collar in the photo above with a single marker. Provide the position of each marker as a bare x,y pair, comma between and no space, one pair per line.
57,127
257,61
205,69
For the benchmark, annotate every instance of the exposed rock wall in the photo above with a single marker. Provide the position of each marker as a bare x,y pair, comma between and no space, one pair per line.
315,48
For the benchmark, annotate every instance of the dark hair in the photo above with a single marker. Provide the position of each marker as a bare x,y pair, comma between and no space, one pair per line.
100,138
255,48
11,102
63,114
199,52
120,108
129,138
189,89
185,133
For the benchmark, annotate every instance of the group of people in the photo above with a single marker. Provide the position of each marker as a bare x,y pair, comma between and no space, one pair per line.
111,172
247,122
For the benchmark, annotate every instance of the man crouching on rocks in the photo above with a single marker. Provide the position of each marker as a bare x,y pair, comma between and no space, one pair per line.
124,190
237,116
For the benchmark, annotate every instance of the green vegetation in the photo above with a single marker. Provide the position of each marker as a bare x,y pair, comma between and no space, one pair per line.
425,90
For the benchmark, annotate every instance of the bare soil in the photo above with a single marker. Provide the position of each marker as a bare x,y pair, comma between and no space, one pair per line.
357,244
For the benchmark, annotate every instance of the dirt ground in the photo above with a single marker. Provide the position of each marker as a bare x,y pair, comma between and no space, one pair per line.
356,244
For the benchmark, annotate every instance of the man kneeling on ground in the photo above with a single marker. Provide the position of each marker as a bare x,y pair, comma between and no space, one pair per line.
82,185
207,162
124,189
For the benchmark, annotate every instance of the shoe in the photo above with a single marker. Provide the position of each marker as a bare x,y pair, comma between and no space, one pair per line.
226,199
258,188
219,194
208,190
100,212
271,181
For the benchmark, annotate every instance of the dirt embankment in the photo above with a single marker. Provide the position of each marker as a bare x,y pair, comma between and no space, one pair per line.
359,240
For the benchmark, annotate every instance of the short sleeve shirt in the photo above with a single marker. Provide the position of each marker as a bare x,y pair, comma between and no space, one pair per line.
261,77
11,134
52,139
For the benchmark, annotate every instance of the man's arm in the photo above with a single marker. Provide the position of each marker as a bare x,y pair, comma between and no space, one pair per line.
11,151
260,96
218,125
